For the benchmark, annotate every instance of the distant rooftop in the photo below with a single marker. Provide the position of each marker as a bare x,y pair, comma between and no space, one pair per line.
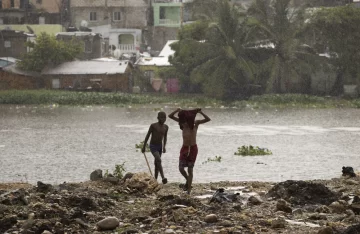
88,67
161,60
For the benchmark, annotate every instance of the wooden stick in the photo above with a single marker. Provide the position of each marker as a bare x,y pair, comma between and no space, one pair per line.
148,164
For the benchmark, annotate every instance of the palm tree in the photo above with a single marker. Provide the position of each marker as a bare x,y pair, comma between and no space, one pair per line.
220,61
278,26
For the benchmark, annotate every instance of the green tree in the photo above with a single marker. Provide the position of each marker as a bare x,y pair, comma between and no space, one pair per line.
216,56
48,51
278,27
337,30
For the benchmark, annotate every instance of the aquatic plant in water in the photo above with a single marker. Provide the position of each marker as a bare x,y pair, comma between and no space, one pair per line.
252,150
215,159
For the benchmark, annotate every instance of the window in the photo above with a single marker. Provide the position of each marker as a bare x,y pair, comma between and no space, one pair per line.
12,3
39,1
55,83
116,16
0,4
162,12
93,16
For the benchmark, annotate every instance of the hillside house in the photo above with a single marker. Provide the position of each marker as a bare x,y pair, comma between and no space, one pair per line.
150,66
12,43
82,75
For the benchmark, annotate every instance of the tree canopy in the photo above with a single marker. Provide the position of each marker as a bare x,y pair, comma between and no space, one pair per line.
48,51
336,31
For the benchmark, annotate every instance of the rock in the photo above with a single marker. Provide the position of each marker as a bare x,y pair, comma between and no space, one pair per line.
112,180
169,231
326,230
7,223
143,182
278,223
282,205
43,188
298,212
211,218
96,175
226,223
46,232
336,207
109,223
255,200
352,229
323,209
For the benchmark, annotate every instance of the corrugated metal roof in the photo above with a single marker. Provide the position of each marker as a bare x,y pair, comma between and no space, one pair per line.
153,61
9,59
88,67
76,34
15,70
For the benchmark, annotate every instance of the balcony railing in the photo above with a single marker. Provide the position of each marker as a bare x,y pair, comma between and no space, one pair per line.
169,22
127,47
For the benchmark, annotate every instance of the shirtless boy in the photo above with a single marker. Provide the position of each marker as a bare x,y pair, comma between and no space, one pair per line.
189,150
158,132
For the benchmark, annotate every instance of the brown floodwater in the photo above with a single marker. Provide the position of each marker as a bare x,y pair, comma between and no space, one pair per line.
55,144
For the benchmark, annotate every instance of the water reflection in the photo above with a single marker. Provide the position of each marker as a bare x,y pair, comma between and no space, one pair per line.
56,144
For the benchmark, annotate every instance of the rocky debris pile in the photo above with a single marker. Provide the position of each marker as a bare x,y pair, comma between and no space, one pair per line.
303,193
138,204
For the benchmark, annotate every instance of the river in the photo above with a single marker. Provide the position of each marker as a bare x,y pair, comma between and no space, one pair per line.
56,144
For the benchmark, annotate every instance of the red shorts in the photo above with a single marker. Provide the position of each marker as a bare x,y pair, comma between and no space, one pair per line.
188,155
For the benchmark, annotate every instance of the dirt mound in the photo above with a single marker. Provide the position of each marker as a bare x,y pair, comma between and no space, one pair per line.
302,192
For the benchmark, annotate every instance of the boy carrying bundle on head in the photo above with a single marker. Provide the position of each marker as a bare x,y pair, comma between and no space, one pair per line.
189,150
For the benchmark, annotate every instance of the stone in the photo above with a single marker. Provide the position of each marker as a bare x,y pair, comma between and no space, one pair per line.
337,207
298,212
326,230
211,218
226,223
169,231
96,175
255,200
278,223
282,205
109,223
143,182
46,232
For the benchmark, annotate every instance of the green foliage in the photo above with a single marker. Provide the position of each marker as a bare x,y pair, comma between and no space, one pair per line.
215,159
279,26
54,98
337,29
141,145
252,150
48,51
217,58
119,170
195,31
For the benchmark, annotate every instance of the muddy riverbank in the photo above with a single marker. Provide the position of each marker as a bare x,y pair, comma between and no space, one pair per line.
139,204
